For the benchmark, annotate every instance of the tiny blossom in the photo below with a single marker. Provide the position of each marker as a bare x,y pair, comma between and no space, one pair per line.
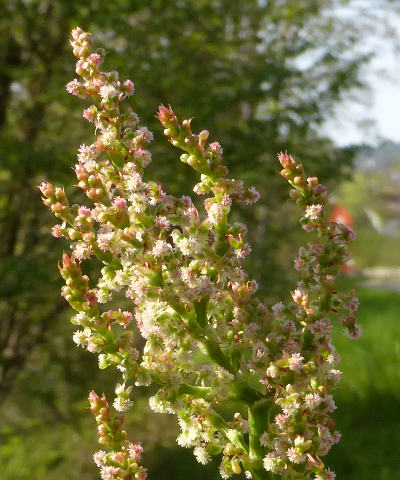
299,264
86,155
215,147
119,202
312,400
135,450
57,231
299,295
254,196
163,222
280,420
95,58
103,296
336,374
129,87
313,211
84,211
327,475
296,362
278,310
107,92
75,88
138,202
104,240
161,248
143,156
79,337
295,456
81,250
321,328
121,404
330,403
271,463
216,213
201,455
145,134
108,137
99,458
89,114
134,182
332,359
109,473
264,439
355,333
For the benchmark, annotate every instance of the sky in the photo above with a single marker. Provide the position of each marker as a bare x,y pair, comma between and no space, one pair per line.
377,116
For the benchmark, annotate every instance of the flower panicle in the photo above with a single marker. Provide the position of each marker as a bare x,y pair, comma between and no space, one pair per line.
208,339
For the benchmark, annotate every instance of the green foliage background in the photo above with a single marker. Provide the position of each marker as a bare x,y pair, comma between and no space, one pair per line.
262,76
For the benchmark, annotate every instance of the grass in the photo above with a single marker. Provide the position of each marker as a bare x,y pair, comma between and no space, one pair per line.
368,398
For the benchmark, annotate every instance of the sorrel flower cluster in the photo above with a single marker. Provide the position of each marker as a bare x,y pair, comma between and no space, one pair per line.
246,381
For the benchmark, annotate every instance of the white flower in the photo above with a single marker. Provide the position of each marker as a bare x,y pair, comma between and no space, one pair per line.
134,182
80,337
271,463
122,404
81,250
103,295
145,134
191,431
107,92
295,456
216,213
313,211
201,455
281,420
161,248
104,240
312,400
296,362
99,458
138,202
108,137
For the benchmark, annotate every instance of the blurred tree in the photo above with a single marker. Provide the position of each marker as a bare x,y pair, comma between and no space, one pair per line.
262,76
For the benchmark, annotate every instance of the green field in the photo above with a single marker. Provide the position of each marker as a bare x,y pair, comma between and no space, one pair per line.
368,398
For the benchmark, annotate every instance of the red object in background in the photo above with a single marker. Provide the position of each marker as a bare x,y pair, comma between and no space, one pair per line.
341,215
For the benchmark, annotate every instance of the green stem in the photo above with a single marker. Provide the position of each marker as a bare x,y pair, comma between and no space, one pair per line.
214,351
258,424
202,392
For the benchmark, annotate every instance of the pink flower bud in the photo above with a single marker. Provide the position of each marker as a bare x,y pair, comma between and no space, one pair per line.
47,189
286,161
167,117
